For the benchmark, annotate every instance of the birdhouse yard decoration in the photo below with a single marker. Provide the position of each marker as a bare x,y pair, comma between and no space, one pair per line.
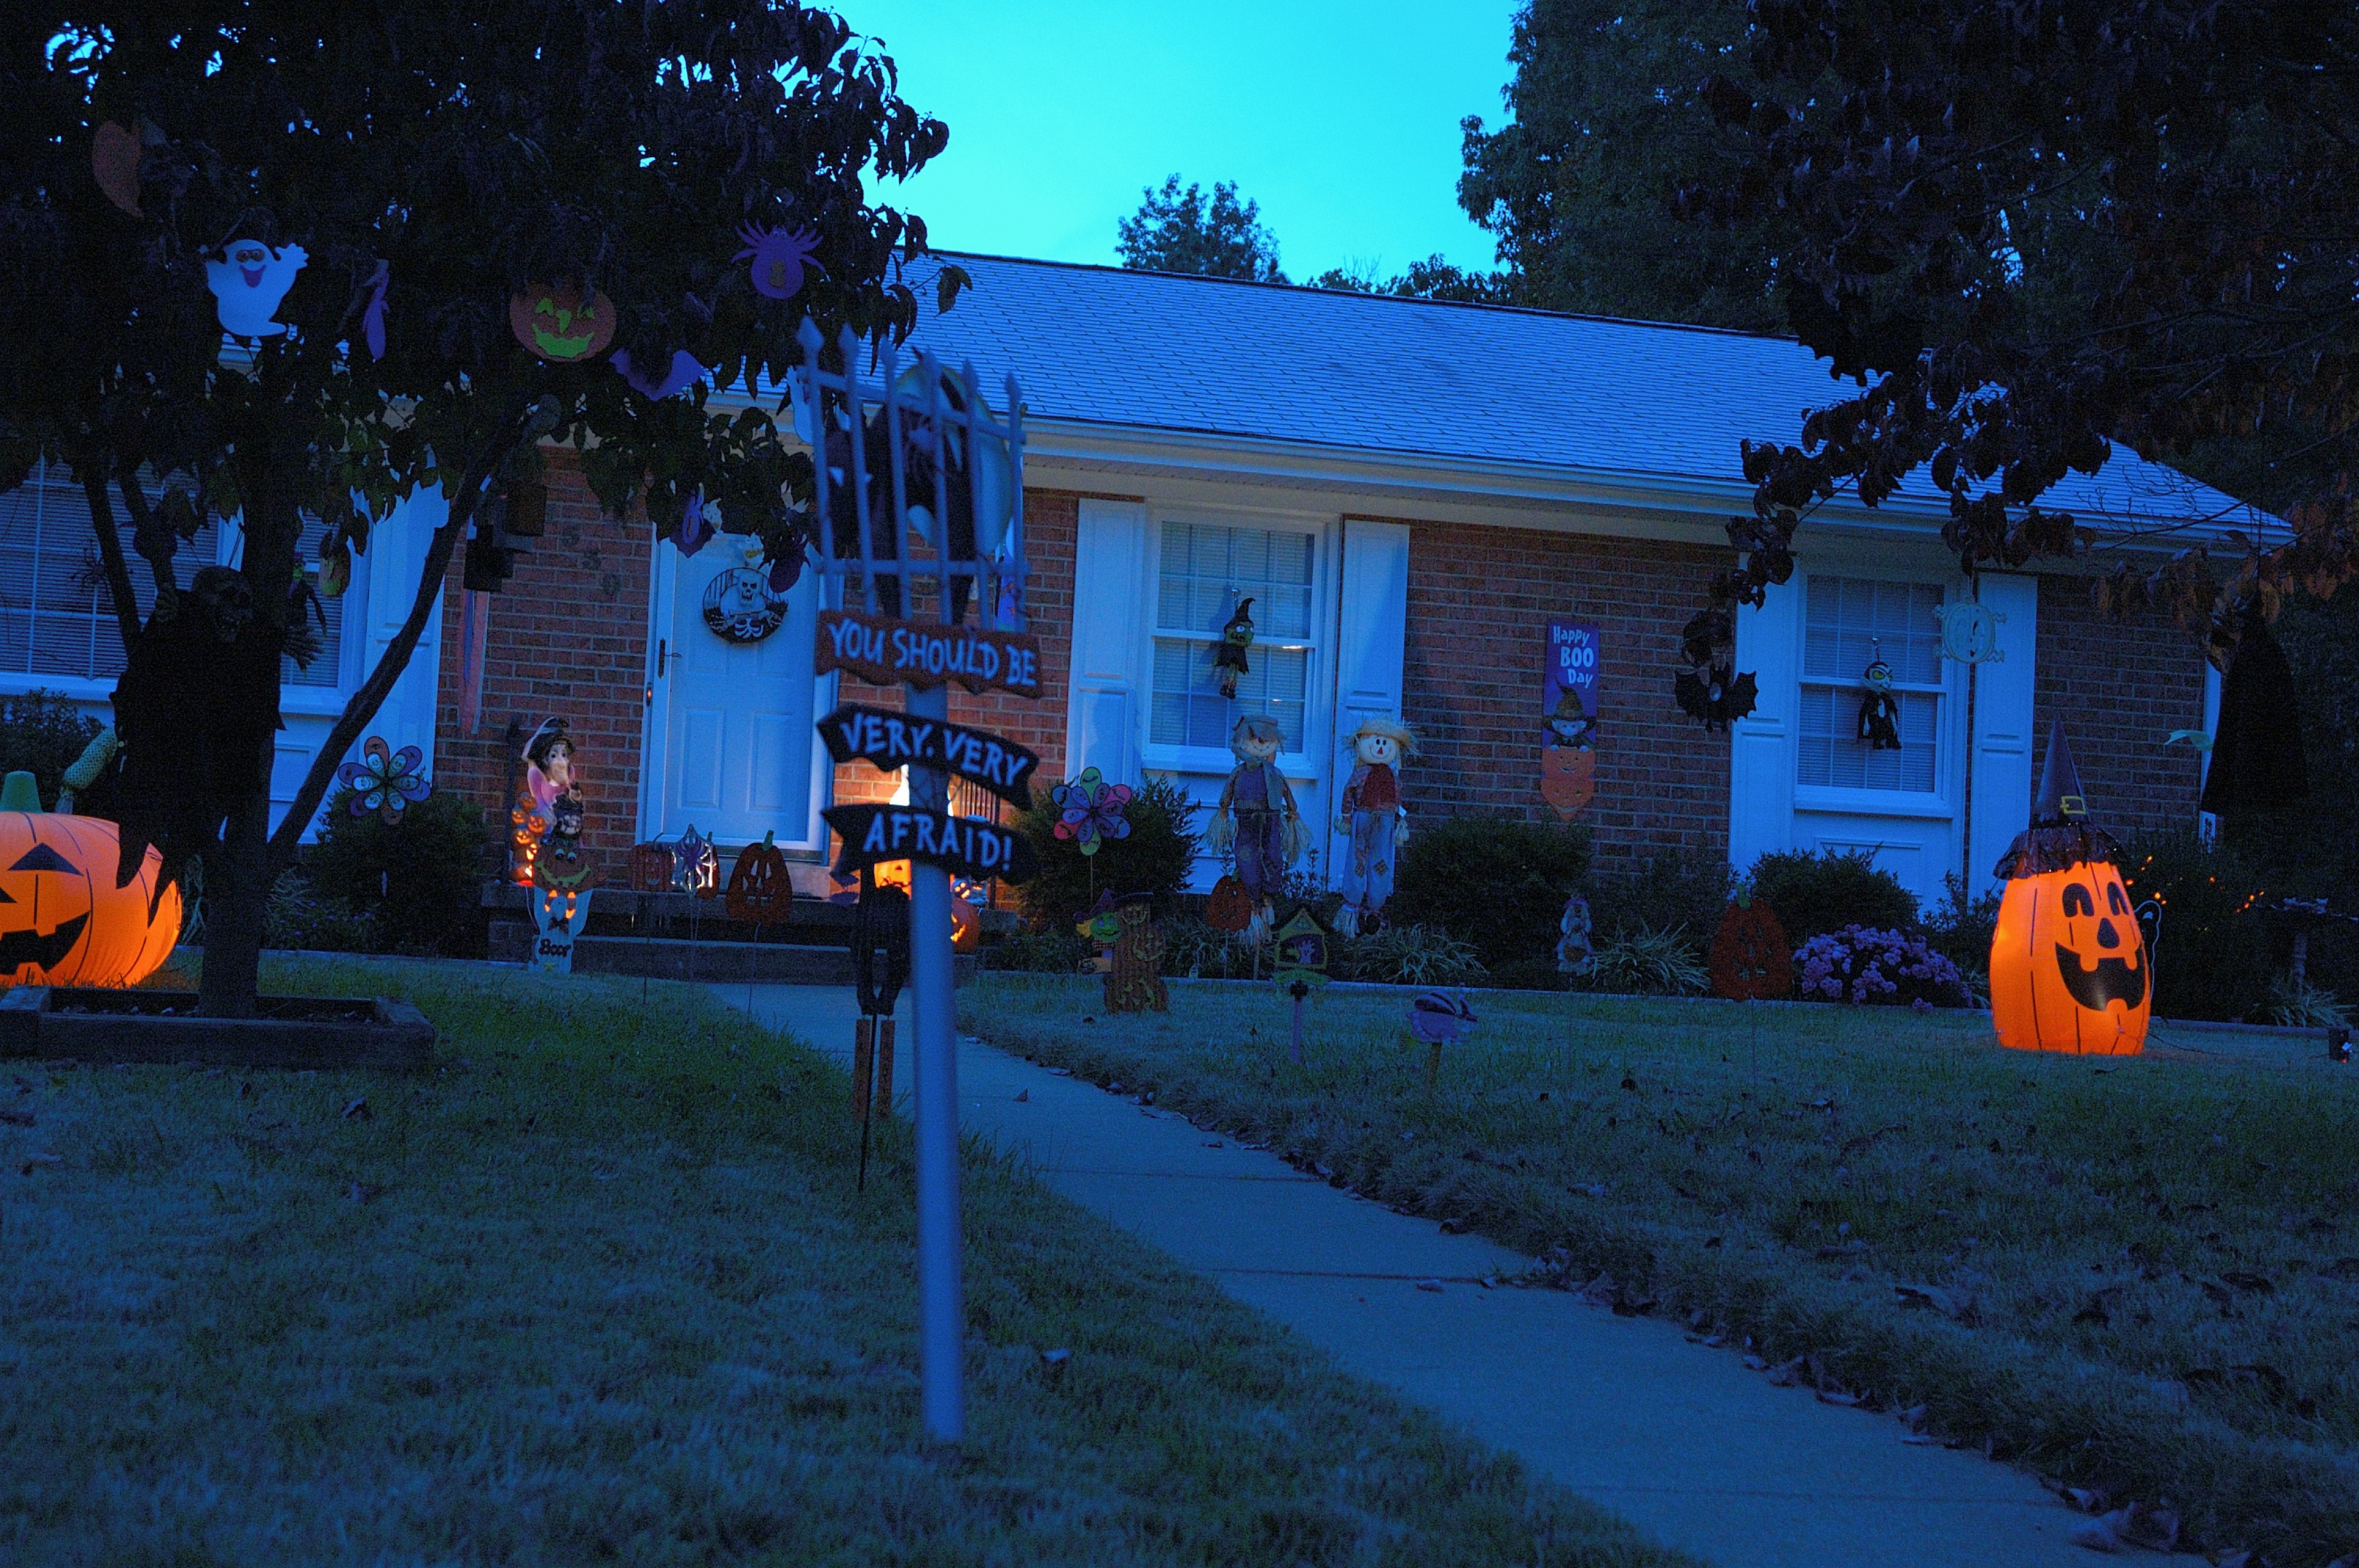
1301,944
63,921
2069,968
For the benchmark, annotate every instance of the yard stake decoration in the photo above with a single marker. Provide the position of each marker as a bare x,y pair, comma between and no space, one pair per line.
919,492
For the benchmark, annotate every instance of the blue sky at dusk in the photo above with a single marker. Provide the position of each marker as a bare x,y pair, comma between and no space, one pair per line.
1339,119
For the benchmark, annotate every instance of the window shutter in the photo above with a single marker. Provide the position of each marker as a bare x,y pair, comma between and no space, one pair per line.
1109,580
2003,727
1371,633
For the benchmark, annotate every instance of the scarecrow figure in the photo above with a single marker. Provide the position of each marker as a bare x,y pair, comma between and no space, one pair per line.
1134,983
1229,653
1257,816
1879,709
1370,812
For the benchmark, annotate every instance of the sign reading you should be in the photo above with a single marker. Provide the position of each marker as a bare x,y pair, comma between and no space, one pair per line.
881,651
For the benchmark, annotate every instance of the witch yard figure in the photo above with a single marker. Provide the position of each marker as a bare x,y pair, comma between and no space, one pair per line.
556,796
1257,816
1229,653
1371,813
1879,708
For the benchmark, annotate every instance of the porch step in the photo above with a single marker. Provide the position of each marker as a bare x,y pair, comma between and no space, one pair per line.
677,959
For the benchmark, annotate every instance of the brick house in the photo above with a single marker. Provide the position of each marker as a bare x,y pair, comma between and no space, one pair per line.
1411,491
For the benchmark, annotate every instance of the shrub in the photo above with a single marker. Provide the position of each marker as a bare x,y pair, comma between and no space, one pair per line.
1156,858
1039,953
1409,954
41,733
1673,892
1862,965
1191,947
297,917
1816,893
1497,885
1959,929
2213,956
1648,962
420,878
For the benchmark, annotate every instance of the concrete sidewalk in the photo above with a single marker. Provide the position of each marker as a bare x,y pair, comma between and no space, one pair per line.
1681,1440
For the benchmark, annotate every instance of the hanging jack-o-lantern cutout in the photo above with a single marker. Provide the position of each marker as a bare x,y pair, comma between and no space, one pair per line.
559,325
2068,968
759,887
1752,961
1231,908
62,920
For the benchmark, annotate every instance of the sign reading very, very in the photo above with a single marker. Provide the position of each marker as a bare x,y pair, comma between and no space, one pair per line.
881,649
975,849
890,740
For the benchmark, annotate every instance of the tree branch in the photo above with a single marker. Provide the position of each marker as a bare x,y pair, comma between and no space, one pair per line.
110,554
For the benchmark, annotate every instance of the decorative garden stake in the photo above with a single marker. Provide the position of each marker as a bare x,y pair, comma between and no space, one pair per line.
866,510
1101,926
1751,958
696,865
559,915
1229,653
63,921
1132,983
759,888
2069,969
1090,810
248,282
1230,909
1257,818
557,324
384,782
652,867
1301,962
1576,953
1879,708
880,967
1373,818
1569,718
1439,1019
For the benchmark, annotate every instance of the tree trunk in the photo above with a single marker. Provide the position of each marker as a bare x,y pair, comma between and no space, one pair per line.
237,895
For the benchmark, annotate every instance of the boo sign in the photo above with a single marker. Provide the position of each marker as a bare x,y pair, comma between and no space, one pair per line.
1569,716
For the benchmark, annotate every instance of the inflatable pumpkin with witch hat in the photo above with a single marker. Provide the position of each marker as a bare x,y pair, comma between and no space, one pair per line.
2069,966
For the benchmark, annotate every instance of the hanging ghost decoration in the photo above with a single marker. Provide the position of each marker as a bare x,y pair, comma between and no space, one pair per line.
683,373
695,526
1879,708
779,259
248,282
2257,759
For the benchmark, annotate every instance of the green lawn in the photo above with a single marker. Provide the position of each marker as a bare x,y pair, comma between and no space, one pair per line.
2139,1275
600,1289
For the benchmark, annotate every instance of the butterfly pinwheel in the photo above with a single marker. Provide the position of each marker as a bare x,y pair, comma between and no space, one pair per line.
1090,809
384,781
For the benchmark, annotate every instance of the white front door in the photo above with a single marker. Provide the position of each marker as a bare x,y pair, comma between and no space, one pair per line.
730,727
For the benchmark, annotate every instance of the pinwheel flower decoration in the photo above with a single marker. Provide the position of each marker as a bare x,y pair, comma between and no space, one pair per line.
1090,809
384,781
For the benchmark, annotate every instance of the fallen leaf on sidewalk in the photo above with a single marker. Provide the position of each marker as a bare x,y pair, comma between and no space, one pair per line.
33,1160
1433,1285
1022,1094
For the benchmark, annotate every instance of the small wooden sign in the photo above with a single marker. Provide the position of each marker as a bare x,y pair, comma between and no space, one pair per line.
888,740
964,845
882,650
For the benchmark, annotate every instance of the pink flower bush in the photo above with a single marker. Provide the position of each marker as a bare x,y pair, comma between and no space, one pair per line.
1862,965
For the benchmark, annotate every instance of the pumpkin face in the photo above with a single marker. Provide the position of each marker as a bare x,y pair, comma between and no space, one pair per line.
62,920
1751,958
652,866
559,325
1231,908
1568,778
2068,966
966,927
759,887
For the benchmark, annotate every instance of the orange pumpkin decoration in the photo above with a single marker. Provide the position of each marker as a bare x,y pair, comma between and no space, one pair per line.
651,868
559,325
759,887
62,920
966,927
2068,968
1231,908
1568,778
1751,958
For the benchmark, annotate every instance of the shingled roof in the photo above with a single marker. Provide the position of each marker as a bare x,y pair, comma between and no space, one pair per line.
1422,380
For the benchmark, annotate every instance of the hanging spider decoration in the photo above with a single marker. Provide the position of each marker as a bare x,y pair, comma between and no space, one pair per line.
384,781
779,258
1879,708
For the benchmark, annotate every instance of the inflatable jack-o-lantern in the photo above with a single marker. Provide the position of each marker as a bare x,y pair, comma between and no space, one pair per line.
62,920
2068,968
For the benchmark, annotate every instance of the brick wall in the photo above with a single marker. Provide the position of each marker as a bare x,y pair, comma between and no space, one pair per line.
2121,687
1051,523
567,639
1480,599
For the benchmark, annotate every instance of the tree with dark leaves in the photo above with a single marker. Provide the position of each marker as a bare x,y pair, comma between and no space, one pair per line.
2031,230
1432,278
432,160
1185,231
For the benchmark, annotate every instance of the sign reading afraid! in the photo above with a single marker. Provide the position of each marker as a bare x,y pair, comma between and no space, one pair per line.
881,649
963,844
888,740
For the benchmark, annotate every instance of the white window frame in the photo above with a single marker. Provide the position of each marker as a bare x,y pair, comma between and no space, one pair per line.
1310,764
1949,738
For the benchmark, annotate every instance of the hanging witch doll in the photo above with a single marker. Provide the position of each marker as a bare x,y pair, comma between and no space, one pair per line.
1257,816
1372,814
1229,653
1879,708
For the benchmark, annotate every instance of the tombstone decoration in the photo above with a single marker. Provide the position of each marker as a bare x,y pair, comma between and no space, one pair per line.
896,456
1373,819
1229,653
1134,982
1879,706
1569,718
559,916
760,890
1258,819
1576,951
384,781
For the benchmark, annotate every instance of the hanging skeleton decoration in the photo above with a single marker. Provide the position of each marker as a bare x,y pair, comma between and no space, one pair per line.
1879,708
1229,653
